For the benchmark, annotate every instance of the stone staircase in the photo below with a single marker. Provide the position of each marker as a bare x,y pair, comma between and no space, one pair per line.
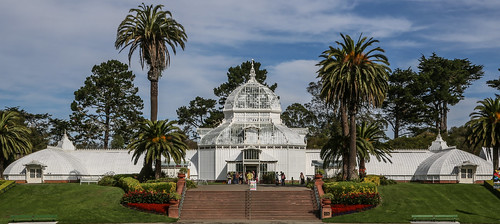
249,205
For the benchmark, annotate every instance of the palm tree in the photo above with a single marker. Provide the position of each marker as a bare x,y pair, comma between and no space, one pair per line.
351,76
369,142
14,137
152,30
335,151
484,127
156,139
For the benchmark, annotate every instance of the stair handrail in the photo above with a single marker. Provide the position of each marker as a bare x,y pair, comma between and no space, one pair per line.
317,199
183,195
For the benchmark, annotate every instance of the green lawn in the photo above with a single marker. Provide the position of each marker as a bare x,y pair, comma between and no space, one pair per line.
471,202
72,203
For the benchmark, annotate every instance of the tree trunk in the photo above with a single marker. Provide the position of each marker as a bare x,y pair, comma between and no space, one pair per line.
345,133
154,100
444,118
158,169
362,167
352,145
106,129
495,158
1,167
396,127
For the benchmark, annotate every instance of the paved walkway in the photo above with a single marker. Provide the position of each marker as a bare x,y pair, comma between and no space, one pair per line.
245,187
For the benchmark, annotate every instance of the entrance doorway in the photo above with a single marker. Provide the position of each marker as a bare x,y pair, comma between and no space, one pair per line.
35,175
252,168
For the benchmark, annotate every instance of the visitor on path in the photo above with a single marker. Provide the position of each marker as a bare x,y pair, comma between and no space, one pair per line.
283,178
302,179
235,180
249,177
241,177
228,178
277,178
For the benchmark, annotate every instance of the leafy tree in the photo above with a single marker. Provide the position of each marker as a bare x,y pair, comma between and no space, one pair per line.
201,113
336,153
106,105
484,127
353,75
457,137
297,116
420,141
403,106
239,75
152,31
14,137
445,82
156,139
495,83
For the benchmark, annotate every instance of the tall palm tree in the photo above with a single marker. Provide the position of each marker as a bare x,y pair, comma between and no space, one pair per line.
353,75
484,127
153,31
14,137
156,139
369,142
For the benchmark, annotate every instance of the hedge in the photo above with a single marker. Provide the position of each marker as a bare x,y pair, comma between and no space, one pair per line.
489,184
129,184
6,185
372,179
168,187
352,193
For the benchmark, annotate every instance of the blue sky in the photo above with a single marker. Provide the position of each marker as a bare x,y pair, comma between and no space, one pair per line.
48,48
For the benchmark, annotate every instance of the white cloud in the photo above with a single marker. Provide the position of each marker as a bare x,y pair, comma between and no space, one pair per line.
293,77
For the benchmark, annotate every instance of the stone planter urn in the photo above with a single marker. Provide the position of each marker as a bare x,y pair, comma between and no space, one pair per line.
181,175
173,202
318,176
326,201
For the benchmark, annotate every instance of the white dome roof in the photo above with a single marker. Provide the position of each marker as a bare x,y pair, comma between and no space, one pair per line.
252,96
252,118
55,160
449,161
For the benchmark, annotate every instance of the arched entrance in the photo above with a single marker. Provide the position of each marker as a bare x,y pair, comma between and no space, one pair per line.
252,159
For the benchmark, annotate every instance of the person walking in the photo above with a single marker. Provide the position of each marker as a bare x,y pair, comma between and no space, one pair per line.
283,178
241,177
228,178
302,179
277,178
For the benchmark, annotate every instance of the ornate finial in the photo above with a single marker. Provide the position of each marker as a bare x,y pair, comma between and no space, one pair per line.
252,72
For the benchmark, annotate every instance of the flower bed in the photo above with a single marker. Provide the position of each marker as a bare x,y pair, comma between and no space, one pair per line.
340,209
156,208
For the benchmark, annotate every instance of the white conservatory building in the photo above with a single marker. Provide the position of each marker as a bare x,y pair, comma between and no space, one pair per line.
252,138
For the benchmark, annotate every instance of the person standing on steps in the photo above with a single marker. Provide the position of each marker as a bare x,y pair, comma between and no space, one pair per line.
277,178
228,178
283,178
302,179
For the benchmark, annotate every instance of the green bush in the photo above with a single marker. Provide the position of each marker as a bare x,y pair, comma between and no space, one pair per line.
190,184
163,179
119,176
489,185
372,179
168,187
385,181
129,184
6,185
149,197
352,193
107,181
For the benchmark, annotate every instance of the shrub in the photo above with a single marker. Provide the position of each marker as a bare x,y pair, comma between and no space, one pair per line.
150,197
351,193
129,184
385,181
6,185
164,179
372,179
158,208
190,184
107,181
168,187
327,196
339,188
489,184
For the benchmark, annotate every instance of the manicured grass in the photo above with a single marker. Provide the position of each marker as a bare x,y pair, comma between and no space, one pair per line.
472,203
72,203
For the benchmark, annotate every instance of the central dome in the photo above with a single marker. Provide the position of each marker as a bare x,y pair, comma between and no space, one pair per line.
252,97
